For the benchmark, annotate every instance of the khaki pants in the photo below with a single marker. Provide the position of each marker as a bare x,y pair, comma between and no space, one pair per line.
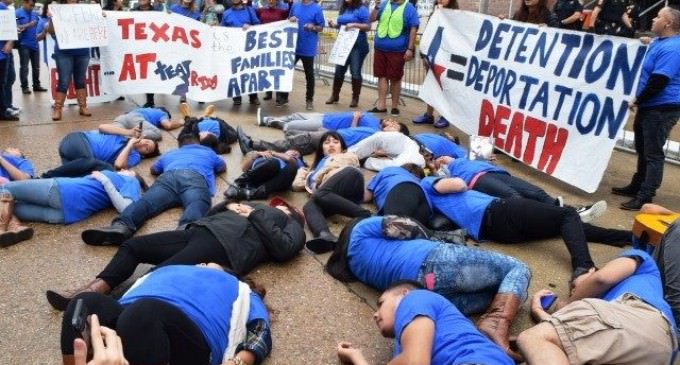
625,331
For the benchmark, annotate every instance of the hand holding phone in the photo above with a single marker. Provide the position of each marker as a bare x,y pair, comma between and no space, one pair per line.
547,301
80,323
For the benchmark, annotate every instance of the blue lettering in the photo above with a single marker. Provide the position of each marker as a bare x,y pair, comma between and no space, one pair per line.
494,49
592,121
541,51
563,91
485,33
519,56
621,68
541,97
515,31
473,70
570,41
528,81
594,73
580,60
612,121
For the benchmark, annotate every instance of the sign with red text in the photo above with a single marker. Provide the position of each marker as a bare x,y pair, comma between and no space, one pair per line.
79,25
554,99
8,25
155,52
93,78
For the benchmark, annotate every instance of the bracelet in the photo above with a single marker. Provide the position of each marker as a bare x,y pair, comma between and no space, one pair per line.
237,361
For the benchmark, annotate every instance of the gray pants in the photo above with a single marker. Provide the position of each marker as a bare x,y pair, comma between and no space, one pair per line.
132,119
309,122
305,142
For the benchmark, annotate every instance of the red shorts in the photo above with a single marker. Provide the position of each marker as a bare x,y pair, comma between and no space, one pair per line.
389,65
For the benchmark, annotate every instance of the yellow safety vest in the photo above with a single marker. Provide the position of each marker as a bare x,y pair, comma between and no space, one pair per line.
391,25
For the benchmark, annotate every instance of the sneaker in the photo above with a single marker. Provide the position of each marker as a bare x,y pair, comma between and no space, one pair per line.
15,109
424,119
39,89
441,123
13,112
9,117
255,101
310,105
26,90
267,96
281,103
394,112
260,117
589,212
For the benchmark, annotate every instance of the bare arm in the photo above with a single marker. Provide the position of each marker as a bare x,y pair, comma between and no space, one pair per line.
368,196
650,208
116,130
604,279
13,171
169,125
573,18
122,158
449,185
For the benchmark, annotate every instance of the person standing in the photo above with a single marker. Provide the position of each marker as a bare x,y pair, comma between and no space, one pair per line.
272,11
241,15
309,16
145,5
658,103
7,77
394,46
27,23
353,15
568,13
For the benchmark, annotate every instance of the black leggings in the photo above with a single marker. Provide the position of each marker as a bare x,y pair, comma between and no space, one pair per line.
182,247
340,194
152,331
308,66
407,200
271,176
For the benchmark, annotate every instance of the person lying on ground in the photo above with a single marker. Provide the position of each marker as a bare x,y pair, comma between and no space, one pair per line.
152,121
14,166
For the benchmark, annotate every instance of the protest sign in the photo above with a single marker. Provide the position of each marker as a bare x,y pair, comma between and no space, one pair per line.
554,99
169,54
79,25
8,25
343,45
93,81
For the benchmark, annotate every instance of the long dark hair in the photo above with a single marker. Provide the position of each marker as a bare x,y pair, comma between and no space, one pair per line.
109,5
353,4
539,15
337,265
319,149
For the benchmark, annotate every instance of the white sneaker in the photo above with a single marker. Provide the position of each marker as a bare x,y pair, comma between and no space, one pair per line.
590,212
260,119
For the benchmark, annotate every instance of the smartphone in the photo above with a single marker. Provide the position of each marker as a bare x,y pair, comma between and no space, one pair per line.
547,301
80,323
140,125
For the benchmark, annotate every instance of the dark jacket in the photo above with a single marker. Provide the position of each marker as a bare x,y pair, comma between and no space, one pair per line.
227,133
267,234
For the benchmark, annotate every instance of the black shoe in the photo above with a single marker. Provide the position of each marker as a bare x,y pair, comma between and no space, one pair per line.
57,301
281,103
255,101
267,96
394,112
628,190
237,100
115,234
635,204
9,117
26,90
245,143
39,89
322,244
149,105
578,272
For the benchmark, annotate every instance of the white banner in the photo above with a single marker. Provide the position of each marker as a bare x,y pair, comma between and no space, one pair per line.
8,25
79,25
171,54
93,82
343,45
554,99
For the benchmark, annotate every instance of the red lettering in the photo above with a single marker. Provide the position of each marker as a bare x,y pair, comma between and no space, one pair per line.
124,25
93,80
486,119
159,32
139,31
143,60
195,40
535,128
194,77
179,33
128,70
553,145
513,142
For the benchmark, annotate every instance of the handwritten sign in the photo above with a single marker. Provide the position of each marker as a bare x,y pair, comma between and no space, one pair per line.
343,45
554,99
8,25
79,25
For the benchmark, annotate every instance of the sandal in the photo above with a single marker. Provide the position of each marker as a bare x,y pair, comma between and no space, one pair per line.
376,110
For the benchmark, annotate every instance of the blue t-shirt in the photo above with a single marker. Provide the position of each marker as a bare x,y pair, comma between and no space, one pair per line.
152,115
356,15
311,176
210,126
354,135
27,37
23,164
440,146
105,147
205,295
377,261
178,9
238,17
338,120
466,208
193,157
399,44
645,283
456,340
310,13
389,177
467,169
663,58
83,196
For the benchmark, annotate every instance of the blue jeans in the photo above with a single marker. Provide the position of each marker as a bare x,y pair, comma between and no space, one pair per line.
7,78
172,189
27,55
75,146
503,185
470,277
36,200
355,61
71,67
652,128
